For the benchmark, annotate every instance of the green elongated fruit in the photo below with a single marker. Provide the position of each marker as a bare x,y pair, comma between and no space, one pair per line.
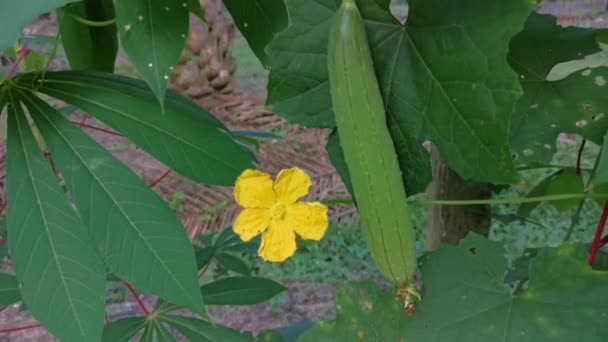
368,148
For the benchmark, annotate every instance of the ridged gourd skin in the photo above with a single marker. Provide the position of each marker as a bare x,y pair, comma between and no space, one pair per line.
368,148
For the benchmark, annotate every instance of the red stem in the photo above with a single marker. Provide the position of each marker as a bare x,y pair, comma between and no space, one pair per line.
83,121
200,275
81,124
134,293
598,235
155,183
21,55
580,156
10,330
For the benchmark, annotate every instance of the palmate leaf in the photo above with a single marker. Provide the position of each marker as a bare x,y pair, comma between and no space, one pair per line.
186,138
81,42
153,34
61,275
123,330
464,300
574,104
258,21
16,14
240,291
197,330
141,240
442,76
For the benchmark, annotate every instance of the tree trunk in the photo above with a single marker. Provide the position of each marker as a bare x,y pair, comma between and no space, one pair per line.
449,224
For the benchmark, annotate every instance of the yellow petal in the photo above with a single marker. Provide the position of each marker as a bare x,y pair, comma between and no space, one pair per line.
251,222
278,243
291,185
309,219
253,189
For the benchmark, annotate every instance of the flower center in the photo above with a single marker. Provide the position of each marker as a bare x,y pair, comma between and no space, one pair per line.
277,212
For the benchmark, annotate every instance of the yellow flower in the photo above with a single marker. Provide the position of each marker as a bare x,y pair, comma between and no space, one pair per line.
273,210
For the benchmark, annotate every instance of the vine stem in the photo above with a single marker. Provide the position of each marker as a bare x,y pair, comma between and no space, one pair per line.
560,197
579,156
23,52
136,296
598,235
337,201
10,330
92,23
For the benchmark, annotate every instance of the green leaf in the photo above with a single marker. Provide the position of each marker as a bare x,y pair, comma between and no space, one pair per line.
203,256
89,47
16,14
9,290
464,300
153,34
336,155
195,7
61,275
201,331
233,263
162,334
443,78
258,21
123,330
601,173
185,137
573,104
564,181
240,291
141,240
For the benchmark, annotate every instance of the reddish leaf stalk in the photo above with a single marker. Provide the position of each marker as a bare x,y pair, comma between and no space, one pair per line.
10,330
155,183
81,124
580,156
200,275
136,296
22,53
598,235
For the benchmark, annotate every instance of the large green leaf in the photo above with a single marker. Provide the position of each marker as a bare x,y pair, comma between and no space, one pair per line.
9,290
61,275
89,47
573,104
443,77
201,331
123,330
186,137
153,34
464,299
259,21
240,291
141,240
16,14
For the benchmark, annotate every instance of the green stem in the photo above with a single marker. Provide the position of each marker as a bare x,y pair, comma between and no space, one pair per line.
560,197
548,166
93,23
574,220
337,201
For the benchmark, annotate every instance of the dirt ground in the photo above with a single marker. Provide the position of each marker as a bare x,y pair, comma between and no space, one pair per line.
243,109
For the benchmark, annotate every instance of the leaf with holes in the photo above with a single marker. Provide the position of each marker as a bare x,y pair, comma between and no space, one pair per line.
61,275
575,103
9,290
240,291
464,299
153,34
19,13
186,137
141,240
442,77
81,42
258,21
123,330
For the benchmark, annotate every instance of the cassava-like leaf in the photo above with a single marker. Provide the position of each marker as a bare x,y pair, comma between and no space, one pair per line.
442,76
258,21
576,103
141,240
201,331
123,330
240,291
16,14
9,290
61,275
153,34
186,137
89,47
